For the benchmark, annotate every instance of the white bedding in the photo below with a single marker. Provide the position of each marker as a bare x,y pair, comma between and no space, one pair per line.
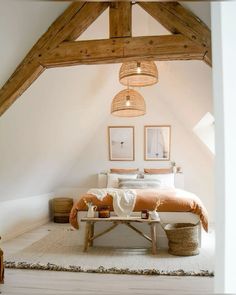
123,199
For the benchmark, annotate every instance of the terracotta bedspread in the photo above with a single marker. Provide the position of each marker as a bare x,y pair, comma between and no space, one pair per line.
172,200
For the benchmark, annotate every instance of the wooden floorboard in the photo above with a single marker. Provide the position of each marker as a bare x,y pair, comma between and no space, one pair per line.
50,282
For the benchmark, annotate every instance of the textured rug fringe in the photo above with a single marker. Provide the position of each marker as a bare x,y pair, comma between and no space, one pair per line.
103,270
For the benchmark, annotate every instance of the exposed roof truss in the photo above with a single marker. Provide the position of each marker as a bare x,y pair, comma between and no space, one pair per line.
190,40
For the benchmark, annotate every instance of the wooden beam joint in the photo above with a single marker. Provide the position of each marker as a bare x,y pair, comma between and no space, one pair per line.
68,26
178,20
191,39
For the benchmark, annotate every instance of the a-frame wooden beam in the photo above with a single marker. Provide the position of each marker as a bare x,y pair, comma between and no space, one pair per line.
120,19
177,19
191,39
115,50
69,26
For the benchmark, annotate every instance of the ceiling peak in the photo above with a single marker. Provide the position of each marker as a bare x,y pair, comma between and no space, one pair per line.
191,40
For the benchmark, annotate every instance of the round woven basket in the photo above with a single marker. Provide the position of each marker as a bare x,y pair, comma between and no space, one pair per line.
61,209
183,239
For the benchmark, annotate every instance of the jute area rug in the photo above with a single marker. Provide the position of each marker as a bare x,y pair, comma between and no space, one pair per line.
60,251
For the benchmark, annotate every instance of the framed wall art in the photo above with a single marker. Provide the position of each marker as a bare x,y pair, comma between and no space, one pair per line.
121,143
157,143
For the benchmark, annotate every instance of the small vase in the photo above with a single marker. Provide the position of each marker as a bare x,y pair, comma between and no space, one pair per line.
174,169
154,215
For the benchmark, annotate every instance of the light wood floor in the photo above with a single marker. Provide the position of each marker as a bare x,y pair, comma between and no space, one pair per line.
50,282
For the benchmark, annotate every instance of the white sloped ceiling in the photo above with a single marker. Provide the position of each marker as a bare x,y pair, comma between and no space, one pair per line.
44,133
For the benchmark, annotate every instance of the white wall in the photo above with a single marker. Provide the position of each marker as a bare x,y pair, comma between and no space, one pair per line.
21,215
21,24
224,64
186,149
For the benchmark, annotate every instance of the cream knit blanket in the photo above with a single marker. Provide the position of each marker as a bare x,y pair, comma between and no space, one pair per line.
123,199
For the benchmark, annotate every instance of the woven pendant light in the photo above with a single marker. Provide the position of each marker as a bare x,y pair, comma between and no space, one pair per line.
128,103
138,73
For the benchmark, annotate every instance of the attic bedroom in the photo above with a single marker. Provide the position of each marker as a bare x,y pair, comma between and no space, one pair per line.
110,125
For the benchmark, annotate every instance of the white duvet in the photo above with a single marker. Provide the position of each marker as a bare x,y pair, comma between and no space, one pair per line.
123,199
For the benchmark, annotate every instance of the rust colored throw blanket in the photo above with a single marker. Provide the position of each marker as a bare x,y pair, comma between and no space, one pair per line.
172,200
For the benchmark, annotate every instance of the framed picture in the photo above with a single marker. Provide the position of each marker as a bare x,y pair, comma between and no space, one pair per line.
121,143
157,143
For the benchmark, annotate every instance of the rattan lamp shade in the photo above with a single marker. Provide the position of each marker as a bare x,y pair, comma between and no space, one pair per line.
138,74
128,103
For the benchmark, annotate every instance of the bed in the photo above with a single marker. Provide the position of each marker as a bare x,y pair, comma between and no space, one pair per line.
177,205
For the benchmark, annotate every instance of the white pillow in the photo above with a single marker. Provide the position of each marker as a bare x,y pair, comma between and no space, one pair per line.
112,179
166,180
138,183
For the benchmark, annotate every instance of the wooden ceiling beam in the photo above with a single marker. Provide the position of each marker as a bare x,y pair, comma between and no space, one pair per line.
55,34
68,26
120,19
88,14
177,19
19,82
57,47
169,47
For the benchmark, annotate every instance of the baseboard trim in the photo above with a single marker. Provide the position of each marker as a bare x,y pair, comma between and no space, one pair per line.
30,227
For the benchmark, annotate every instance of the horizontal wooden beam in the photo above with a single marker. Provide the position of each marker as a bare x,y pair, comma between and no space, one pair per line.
57,47
116,50
177,19
68,26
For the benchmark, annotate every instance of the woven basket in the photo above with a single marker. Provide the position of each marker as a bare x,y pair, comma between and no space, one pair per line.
183,239
61,209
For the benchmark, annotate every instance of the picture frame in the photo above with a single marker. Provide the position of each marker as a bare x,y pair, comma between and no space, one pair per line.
157,139
121,143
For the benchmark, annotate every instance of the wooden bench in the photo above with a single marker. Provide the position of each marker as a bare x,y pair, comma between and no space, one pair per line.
90,236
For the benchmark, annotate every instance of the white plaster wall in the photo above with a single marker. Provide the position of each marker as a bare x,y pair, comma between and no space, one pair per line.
224,63
21,215
164,106
47,128
21,25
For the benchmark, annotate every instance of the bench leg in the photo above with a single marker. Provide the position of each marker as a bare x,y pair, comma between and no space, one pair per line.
1,268
154,238
87,236
91,234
